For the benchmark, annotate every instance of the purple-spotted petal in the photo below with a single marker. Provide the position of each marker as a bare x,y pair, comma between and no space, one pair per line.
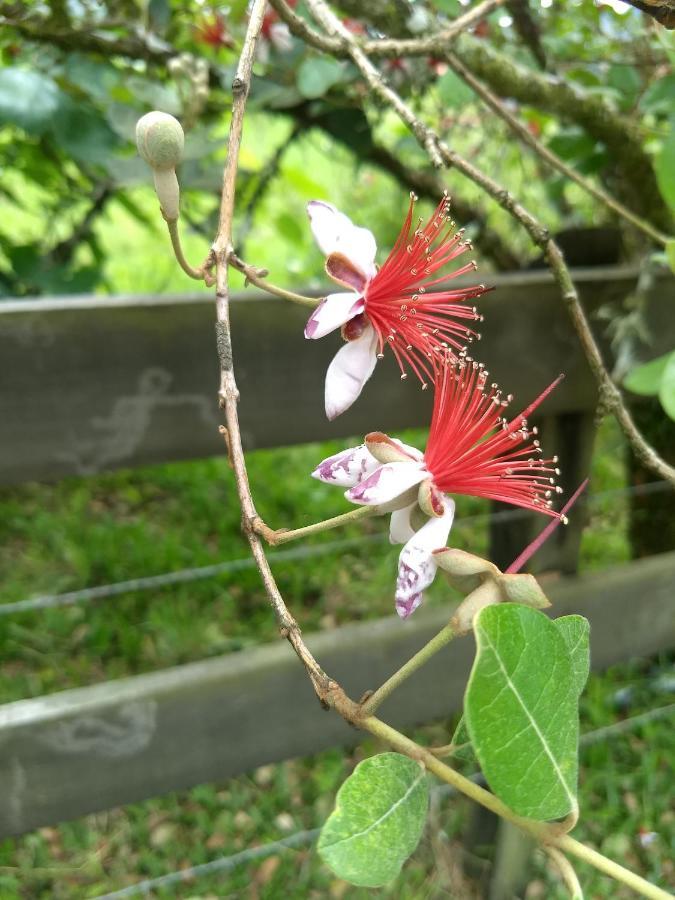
333,312
335,232
400,527
347,468
416,564
387,483
349,370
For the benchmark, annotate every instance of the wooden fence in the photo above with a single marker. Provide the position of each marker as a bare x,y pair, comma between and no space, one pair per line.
94,383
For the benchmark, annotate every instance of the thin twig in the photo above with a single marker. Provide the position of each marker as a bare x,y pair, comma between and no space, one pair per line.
374,700
283,537
228,393
387,47
567,873
258,277
441,155
496,105
198,274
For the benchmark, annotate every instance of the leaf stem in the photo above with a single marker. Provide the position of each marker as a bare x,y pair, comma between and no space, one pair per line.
258,277
444,636
198,274
547,834
567,873
283,537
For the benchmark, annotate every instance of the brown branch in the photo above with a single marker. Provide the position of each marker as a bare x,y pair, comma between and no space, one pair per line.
228,393
526,136
441,155
508,79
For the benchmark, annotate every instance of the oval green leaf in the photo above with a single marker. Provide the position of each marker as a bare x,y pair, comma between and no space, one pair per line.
316,76
28,99
521,711
646,379
577,632
378,819
667,387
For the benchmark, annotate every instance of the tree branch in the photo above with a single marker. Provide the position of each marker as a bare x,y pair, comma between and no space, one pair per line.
228,393
493,102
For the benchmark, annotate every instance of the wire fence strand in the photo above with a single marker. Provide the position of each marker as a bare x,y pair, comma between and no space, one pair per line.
306,838
296,554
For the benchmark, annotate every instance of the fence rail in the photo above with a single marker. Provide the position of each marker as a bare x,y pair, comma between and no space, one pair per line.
78,751
95,383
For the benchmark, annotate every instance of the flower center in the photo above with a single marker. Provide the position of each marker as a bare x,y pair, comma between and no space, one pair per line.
355,327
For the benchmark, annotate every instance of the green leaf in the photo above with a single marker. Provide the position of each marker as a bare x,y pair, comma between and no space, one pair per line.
96,79
576,631
664,165
316,76
521,711
28,99
462,742
452,91
667,387
84,134
378,819
670,253
658,98
646,379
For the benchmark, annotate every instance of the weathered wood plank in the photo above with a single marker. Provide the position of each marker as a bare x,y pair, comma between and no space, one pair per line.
95,383
93,748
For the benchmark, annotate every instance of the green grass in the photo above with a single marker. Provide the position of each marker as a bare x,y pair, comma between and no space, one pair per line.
112,527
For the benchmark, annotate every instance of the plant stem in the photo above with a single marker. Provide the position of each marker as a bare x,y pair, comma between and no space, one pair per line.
283,537
197,274
444,636
228,392
545,833
566,870
259,280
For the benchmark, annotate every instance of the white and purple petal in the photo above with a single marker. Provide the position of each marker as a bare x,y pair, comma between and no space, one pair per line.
335,232
349,370
333,312
347,468
400,526
387,483
416,564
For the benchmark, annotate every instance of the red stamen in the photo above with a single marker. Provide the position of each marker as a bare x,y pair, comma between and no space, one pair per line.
472,449
422,328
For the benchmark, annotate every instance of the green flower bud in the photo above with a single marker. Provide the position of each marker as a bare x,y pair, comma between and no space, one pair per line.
160,140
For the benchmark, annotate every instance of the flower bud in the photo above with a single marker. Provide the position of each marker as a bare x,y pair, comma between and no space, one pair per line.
168,193
523,589
160,140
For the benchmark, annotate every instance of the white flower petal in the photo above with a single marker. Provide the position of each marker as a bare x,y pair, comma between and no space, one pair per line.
347,468
400,529
335,232
411,451
349,370
416,565
332,312
387,483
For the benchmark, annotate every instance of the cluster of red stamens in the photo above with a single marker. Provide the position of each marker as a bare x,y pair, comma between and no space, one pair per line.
419,326
473,449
